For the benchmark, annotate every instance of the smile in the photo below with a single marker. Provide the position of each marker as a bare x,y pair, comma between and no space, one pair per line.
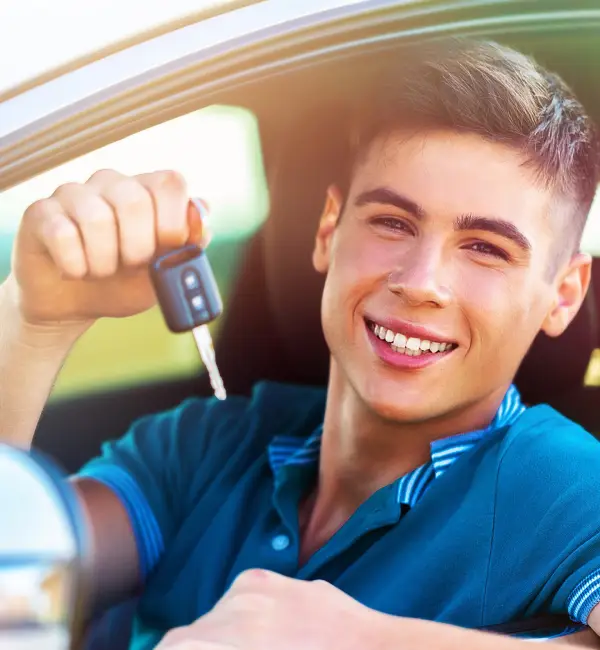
409,345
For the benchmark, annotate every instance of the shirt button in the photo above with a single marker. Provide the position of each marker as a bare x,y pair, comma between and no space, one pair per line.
280,542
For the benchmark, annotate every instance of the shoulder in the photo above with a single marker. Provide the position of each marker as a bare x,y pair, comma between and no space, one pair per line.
547,474
546,528
204,432
272,406
244,422
543,444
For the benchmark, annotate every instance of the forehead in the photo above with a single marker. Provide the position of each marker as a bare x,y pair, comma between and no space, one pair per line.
450,174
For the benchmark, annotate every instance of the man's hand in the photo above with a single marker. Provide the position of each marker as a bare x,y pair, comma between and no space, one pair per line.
82,254
79,255
266,611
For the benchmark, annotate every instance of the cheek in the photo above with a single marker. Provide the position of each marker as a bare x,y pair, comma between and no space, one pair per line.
486,290
357,269
359,260
499,306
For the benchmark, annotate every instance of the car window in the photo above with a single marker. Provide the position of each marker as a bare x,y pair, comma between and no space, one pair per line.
218,151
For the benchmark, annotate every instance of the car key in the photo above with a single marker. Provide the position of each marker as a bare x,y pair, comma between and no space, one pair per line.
189,299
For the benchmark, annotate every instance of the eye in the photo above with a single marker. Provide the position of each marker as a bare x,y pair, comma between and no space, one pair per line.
489,249
392,223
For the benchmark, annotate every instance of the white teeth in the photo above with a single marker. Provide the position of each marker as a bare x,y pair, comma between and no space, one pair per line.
417,353
400,341
413,343
412,346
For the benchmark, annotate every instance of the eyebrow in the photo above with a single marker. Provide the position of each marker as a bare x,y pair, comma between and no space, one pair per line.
506,229
500,227
386,196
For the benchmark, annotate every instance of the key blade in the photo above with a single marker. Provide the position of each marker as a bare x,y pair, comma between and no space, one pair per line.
207,352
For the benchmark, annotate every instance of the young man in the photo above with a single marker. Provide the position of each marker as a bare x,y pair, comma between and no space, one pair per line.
416,491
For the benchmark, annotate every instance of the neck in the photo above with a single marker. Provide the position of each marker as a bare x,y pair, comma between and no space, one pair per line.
362,452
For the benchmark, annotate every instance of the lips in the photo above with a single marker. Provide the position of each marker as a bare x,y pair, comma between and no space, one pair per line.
410,340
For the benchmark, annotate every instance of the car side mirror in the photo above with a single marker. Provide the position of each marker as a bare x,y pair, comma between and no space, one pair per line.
41,555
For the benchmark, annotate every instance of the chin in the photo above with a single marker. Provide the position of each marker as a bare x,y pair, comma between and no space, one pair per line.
389,405
405,414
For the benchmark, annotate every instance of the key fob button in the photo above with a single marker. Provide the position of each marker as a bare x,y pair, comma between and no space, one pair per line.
191,281
197,303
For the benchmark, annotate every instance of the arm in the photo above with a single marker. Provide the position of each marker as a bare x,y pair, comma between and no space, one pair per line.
269,611
114,568
80,255
587,639
426,634
30,359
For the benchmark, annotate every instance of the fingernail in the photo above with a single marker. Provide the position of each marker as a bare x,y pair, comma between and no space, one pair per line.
201,206
198,214
195,225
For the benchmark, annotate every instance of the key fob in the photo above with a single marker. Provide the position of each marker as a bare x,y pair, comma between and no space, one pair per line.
186,288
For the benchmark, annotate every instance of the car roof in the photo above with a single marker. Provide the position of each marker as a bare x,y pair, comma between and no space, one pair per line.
50,102
60,114
68,33
113,94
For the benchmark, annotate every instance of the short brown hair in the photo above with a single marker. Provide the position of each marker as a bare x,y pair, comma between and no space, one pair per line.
488,89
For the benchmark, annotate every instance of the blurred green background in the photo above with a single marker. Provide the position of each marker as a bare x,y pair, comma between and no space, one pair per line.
218,151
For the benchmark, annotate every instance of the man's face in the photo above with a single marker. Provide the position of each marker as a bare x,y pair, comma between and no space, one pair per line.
446,241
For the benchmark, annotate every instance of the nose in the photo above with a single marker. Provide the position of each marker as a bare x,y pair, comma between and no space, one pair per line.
420,278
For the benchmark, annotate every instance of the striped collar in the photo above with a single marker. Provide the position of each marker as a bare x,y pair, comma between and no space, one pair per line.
287,451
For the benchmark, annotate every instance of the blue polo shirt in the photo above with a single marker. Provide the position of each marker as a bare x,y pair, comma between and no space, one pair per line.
499,525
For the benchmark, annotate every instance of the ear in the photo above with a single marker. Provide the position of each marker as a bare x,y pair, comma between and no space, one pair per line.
327,224
572,285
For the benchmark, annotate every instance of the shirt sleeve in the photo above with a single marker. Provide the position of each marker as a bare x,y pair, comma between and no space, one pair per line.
545,556
153,465
584,597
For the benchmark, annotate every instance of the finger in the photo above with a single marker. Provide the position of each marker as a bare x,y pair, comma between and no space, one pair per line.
169,193
97,225
53,232
103,178
256,581
192,644
195,225
135,215
182,639
199,232
185,644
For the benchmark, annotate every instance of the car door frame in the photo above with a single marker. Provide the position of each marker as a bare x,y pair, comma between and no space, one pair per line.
157,79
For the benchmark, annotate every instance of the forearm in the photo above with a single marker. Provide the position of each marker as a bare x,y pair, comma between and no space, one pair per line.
30,359
402,632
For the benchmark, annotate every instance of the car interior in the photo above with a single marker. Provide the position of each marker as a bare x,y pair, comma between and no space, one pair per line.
270,328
